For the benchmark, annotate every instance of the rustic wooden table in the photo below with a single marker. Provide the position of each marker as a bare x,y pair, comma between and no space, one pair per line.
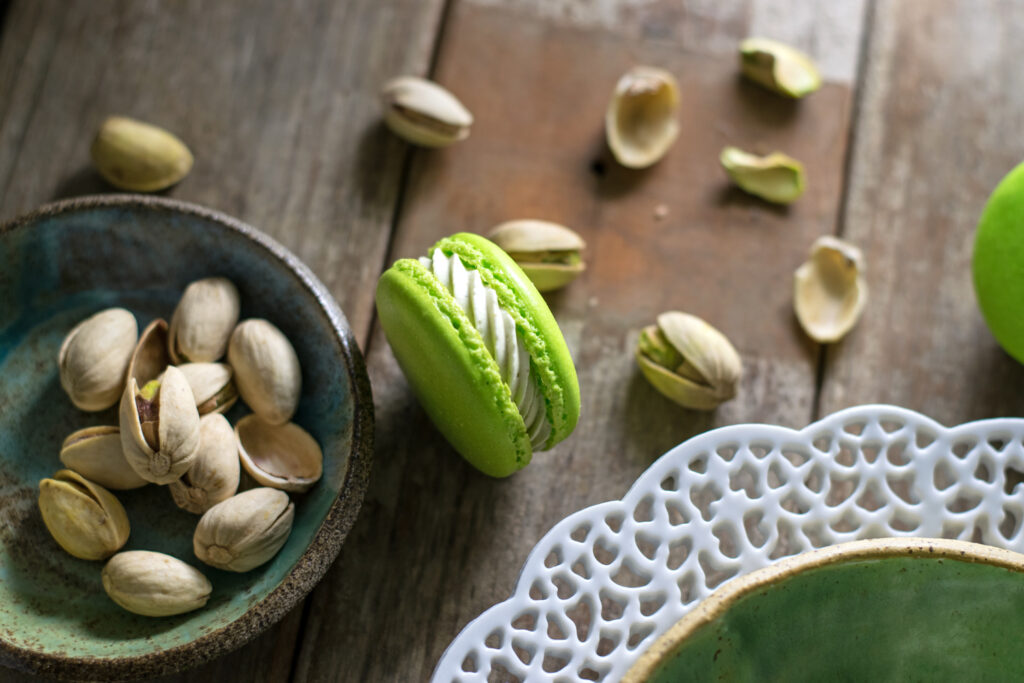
921,115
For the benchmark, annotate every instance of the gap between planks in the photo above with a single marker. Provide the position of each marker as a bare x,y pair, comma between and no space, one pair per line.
863,55
396,218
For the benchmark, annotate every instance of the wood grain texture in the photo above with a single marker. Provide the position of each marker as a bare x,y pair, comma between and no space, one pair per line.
437,543
828,30
278,102
942,109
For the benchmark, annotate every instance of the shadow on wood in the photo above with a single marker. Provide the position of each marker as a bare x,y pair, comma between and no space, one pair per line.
86,180
654,424
612,179
771,110
730,195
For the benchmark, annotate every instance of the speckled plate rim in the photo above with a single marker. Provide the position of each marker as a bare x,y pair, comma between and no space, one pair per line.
327,541
719,602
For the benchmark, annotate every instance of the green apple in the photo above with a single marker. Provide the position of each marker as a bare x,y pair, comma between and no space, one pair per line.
999,263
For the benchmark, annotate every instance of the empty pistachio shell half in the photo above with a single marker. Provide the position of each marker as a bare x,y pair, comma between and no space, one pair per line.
154,584
689,361
136,156
778,67
150,357
83,517
641,122
283,457
96,454
214,474
203,321
244,531
548,253
829,289
267,370
94,357
775,178
424,113
212,385
159,427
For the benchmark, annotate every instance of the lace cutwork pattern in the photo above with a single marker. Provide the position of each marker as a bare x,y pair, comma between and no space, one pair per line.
605,582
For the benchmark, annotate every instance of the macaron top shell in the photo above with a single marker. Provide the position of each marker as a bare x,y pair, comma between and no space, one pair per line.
998,263
449,367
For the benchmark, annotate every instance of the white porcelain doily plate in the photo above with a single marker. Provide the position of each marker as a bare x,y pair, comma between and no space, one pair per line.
606,581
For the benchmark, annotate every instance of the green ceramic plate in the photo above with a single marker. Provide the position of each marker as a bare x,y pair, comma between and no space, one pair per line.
69,260
881,610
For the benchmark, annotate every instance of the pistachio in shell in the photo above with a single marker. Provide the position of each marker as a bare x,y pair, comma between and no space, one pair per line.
641,122
424,113
214,475
83,517
153,584
203,321
94,357
150,357
547,252
283,457
96,454
267,371
245,530
689,361
776,178
779,67
213,386
160,427
829,289
139,157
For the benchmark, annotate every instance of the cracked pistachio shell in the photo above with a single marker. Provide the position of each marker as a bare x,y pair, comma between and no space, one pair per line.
267,371
641,122
213,476
547,252
424,113
83,517
778,67
96,454
154,584
162,444
283,457
139,157
829,289
150,357
94,357
245,530
775,178
203,321
212,385
689,361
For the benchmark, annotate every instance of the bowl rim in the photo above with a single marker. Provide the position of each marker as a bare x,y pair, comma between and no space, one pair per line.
719,602
326,543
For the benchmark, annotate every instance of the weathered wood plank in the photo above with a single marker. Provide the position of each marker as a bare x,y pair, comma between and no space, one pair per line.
941,115
278,103
277,100
437,543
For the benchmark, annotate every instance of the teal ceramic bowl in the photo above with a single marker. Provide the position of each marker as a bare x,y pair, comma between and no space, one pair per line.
910,609
73,258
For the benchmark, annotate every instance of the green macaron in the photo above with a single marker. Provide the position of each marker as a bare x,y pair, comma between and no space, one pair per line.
999,263
447,351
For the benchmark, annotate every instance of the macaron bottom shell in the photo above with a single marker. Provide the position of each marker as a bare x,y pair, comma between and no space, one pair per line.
450,370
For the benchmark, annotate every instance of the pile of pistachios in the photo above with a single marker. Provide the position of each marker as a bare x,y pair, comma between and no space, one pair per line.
172,393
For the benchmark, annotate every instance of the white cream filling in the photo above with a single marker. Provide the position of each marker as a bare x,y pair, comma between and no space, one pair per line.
498,330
